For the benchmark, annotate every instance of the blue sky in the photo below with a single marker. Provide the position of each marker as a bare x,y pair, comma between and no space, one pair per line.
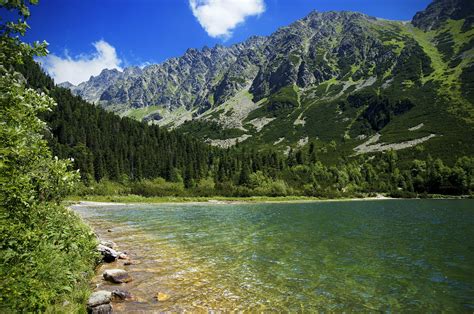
120,33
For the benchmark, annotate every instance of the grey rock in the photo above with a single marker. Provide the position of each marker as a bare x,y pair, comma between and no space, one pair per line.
66,85
121,295
101,309
108,255
123,256
152,117
98,298
117,276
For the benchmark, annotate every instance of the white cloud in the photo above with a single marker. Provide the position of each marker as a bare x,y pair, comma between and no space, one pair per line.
79,69
220,17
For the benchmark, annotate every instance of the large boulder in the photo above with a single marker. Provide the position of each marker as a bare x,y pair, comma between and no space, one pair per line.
117,276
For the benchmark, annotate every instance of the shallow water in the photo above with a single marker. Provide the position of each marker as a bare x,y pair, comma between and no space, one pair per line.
390,255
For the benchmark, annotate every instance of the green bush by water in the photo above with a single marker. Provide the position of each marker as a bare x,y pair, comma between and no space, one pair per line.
47,254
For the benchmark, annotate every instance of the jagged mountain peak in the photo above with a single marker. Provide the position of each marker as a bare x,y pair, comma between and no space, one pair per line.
441,10
330,75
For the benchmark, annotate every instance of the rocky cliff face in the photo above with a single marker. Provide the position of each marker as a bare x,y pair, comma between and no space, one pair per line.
332,76
192,80
439,11
315,49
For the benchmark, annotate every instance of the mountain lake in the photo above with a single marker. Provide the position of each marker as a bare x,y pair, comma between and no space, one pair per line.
378,255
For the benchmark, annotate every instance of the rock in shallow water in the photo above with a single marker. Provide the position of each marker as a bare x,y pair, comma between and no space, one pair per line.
161,296
119,294
98,298
109,244
101,309
108,255
117,276
99,302
123,256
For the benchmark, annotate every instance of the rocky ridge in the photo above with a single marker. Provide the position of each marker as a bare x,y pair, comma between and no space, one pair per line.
339,76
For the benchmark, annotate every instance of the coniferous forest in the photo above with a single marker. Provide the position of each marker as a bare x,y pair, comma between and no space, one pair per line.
118,155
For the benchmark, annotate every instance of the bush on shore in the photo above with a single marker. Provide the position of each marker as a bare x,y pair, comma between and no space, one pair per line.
47,254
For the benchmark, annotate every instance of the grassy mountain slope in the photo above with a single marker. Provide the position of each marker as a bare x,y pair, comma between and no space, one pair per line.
341,79
423,89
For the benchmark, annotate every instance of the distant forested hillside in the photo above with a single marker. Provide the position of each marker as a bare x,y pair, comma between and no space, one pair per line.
105,145
152,161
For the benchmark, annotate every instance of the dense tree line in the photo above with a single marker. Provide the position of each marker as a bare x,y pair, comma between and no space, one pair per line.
104,145
109,148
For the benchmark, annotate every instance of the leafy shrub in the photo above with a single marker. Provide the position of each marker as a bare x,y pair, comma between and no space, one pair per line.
46,251
157,187
102,188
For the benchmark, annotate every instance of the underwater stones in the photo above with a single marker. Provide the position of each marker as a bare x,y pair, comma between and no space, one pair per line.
99,302
121,295
123,256
161,296
117,276
101,309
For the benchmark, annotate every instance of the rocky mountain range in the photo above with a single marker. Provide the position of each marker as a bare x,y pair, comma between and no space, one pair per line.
342,79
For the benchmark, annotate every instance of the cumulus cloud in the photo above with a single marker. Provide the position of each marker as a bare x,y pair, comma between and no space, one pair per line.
220,17
79,69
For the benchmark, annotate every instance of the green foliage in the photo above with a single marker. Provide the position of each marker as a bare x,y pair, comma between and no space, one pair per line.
285,98
104,187
278,104
467,80
302,176
445,45
45,258
46,251
157,187
413,63
209,129
380,111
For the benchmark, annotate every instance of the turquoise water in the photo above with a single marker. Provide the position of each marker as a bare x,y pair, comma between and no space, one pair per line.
390,255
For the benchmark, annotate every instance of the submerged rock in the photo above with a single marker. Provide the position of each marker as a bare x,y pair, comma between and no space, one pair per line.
117,276
108,255
121,295
161,296
101,309
123,256
99,302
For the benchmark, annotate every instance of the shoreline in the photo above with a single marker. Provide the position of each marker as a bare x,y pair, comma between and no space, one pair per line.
132,200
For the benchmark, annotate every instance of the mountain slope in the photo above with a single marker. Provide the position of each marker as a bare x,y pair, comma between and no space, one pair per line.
343,79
